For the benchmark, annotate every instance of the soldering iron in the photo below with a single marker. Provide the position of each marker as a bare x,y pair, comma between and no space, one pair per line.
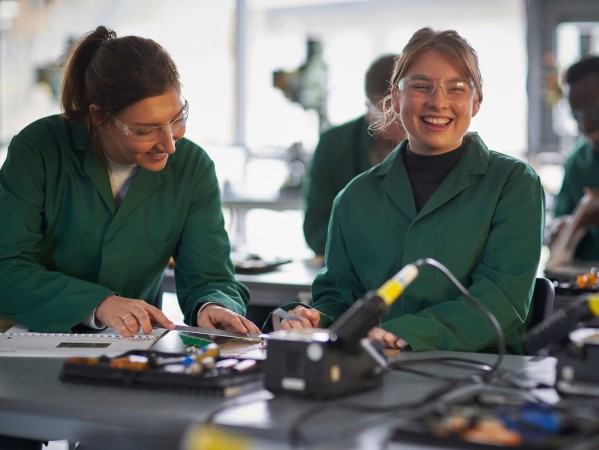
331,362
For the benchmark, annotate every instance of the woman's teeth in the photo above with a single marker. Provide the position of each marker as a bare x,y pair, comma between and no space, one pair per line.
436,121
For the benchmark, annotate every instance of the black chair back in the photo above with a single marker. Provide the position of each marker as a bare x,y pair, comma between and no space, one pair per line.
541,306
542,301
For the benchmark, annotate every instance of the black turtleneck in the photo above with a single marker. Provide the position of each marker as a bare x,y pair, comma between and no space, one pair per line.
426,173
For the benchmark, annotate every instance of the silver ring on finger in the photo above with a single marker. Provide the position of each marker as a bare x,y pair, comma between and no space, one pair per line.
125,316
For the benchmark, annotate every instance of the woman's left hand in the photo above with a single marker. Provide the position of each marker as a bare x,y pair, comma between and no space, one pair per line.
389,340
215,316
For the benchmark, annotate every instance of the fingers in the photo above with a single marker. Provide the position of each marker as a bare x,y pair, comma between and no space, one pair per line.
249,325
130,316
135,321
309,318
402,344
128,329
215,316
293,325
240,323
389,340
157,316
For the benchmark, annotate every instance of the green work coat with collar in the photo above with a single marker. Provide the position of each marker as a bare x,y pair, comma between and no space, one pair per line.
581,170
342,153
484,223
64,247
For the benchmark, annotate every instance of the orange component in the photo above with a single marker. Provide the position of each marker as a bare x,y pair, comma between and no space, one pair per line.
90,361
492,431
588,279
132,362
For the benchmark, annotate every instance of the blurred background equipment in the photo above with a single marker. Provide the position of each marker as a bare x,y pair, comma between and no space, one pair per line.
575,343
557,328
577,362
307,85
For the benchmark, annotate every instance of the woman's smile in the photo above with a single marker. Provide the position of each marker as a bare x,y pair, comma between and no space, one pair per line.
436,122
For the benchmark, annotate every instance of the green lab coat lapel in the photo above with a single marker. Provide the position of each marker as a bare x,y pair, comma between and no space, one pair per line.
396,183
94,169
473,162
144,184
98,175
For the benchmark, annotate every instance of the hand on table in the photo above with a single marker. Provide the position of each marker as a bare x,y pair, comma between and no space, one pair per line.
309,318
389,340
216,316
130,316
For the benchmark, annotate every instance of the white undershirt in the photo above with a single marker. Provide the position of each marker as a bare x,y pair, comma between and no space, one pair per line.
121,176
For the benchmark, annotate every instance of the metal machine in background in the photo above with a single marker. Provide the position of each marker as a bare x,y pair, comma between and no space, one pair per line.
307,85
577,370
575,346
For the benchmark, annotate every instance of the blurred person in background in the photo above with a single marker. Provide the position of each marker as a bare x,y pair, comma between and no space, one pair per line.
574,232
345,151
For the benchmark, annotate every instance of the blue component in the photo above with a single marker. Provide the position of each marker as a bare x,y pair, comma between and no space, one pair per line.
534,421
187,361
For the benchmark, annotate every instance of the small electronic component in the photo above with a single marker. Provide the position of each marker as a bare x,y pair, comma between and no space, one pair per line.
130,362
194,341
516,424
589,279
88,361
199,371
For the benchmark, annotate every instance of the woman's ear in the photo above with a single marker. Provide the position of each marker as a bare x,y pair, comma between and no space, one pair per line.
476,106
98,119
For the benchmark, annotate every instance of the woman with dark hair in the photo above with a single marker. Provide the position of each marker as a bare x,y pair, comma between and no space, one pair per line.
95,201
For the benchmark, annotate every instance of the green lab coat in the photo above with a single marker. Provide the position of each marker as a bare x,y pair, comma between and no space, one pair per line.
64,247
580,170
342,153
484,223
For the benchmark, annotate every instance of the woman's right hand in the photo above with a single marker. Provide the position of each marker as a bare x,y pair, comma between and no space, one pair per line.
129,315
309,318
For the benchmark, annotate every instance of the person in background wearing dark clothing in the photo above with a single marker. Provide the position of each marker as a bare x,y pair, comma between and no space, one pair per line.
345,151
574,232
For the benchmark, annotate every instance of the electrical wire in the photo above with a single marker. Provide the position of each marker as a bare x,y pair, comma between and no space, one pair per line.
474,302
487,371
450,390
296,438
451,360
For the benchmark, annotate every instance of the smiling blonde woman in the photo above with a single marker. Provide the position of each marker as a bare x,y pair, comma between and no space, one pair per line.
441,194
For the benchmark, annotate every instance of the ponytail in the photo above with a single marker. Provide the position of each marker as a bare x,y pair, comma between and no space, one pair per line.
114,73
74,98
